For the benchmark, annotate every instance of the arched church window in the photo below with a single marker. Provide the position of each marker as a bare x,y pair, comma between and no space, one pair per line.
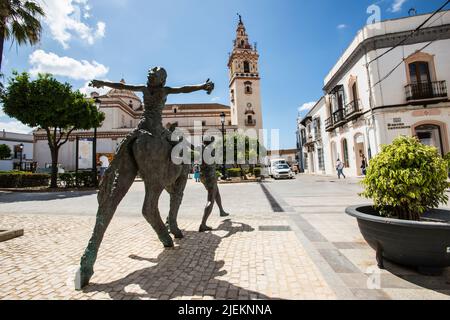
246,67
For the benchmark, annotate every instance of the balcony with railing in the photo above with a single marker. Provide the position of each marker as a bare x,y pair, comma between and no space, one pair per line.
339,117
329,124
426,90
352,111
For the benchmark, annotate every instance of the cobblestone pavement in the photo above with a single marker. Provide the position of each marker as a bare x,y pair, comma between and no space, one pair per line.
236,261
284,240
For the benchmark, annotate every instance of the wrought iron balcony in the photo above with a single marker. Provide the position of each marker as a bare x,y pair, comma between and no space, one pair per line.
426,90
329,124
353,110
339,117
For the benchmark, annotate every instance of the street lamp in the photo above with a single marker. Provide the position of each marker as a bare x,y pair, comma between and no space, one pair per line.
222,120
21,147
98,104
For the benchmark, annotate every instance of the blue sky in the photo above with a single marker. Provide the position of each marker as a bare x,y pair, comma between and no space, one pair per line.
298,40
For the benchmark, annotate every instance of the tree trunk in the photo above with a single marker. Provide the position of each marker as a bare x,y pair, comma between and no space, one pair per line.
54,176
2,42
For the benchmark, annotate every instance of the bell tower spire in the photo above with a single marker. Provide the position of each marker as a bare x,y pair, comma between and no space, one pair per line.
245,94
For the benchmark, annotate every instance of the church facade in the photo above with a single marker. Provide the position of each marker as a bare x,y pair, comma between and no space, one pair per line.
123,110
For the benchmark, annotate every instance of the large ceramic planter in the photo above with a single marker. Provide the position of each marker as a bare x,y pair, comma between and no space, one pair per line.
425,244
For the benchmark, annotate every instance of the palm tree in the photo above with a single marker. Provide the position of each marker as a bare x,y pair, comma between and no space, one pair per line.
19,21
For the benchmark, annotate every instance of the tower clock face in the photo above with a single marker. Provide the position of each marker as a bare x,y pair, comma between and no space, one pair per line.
249,105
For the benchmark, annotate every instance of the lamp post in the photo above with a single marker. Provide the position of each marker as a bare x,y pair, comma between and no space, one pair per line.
21,147
222,120
94,146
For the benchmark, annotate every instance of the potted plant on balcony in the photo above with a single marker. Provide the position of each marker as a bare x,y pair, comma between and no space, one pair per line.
407,182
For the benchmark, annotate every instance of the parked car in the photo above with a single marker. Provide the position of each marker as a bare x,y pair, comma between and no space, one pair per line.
282,171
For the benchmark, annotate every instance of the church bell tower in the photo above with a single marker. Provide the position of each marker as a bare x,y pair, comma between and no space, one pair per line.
245,96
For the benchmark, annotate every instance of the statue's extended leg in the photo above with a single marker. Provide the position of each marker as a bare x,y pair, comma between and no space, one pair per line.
152,215
115,184
208,209
176,192
223,213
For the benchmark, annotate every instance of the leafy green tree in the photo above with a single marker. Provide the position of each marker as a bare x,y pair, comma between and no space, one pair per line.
406,179
19,21
247,151
51,106
5,152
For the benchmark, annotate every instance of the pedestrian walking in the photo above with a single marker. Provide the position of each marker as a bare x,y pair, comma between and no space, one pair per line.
197,173
364,165
340,169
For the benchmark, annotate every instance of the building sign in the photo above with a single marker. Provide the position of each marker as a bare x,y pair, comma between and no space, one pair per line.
397,124
85,154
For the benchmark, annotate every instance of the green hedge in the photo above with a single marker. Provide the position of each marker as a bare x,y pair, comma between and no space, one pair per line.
69,179
257,172
234,173
23,180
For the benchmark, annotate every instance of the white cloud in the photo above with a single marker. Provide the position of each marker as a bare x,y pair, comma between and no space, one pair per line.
215,99
342,26
14,126
43,62
64,18
307,106
87,90
397,5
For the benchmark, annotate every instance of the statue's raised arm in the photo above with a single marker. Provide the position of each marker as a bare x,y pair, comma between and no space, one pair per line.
208,86
116,85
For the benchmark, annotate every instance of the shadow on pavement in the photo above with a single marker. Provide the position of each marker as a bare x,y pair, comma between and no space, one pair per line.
190,270
45,196
439,283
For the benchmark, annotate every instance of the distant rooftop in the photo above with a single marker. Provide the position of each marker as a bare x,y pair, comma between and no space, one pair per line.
198,106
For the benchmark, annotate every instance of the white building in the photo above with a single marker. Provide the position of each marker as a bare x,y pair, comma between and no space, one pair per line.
378,91
21,146
123,110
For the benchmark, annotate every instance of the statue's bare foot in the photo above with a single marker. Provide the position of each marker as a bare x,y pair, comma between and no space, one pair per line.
224,214
82,278
177,233
167,241
204,228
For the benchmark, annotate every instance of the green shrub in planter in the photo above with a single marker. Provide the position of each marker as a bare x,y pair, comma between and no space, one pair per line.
406,179
257,172
23,180
234,172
